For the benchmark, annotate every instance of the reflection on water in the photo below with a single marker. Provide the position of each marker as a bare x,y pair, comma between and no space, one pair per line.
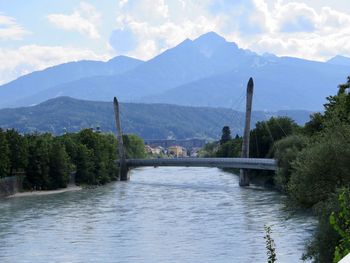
161,215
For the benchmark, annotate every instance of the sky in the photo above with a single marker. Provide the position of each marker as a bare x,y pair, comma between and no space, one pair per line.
35,34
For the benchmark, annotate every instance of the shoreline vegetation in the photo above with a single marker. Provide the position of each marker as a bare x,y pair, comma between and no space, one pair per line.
45,161
313,169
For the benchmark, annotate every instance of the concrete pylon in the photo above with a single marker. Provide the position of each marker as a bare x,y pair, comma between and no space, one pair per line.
243,175
123,169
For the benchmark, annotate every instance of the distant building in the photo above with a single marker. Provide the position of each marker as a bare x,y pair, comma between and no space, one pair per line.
188,143
177,151
154,151
148,149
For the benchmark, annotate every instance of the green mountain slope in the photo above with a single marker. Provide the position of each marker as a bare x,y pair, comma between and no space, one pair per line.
150,121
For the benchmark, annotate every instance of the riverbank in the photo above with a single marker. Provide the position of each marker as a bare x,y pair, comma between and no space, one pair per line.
48,192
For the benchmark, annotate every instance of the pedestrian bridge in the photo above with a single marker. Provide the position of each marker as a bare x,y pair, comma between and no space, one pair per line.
238,163
243,163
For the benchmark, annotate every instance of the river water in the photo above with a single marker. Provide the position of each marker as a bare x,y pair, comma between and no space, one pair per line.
162,215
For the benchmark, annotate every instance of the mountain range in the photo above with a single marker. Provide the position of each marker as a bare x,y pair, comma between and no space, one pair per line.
150,121
208,71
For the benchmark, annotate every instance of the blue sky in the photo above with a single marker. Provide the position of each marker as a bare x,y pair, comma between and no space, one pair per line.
35,34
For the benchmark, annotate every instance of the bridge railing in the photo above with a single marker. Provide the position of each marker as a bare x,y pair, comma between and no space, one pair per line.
239,163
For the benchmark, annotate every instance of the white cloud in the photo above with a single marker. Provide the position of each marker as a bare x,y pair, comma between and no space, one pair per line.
159,24
296,29
18,62
84,20
10,30
281,27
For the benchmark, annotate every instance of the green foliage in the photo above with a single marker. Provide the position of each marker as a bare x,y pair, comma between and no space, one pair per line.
37,172
134,145
266,133
315,125
84,165
270,245
340,221
58,166
69,142
151,121
231,148
286,151
96,161
322,167
325,238
209,150
338,107
48,161
18,147
4,155
317,173
226,135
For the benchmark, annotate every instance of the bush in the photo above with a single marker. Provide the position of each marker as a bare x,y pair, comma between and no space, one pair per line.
285,152
231,148
340,221
325,238
322,167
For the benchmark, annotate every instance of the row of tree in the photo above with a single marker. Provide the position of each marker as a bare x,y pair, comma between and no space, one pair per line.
314,168
47,161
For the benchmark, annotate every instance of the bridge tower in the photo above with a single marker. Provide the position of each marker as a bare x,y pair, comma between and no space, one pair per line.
243,175
123,169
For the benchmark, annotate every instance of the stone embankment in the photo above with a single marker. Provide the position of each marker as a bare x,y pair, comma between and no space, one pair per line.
10,185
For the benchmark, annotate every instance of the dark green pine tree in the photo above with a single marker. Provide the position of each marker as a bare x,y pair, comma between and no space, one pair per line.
4,155
58,166
226,135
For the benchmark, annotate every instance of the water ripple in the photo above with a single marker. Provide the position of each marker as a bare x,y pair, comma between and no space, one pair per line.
161,215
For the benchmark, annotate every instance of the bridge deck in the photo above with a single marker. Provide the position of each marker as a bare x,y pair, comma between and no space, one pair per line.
240,163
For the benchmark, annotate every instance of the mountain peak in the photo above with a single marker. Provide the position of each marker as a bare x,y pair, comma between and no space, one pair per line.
122,58
211,37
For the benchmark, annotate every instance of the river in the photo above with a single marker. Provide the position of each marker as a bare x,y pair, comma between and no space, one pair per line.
161,215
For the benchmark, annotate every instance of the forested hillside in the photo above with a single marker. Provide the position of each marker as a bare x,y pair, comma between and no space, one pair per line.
149,121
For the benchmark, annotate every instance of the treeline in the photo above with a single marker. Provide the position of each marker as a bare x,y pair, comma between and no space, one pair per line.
262,139
314,168
47,161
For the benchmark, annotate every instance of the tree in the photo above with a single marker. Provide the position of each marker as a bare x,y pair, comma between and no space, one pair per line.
315,125
226,135
266,133
325,238
134,145
18,151
340,221
4,155
231,148
111,149
322,167
338,107
84,165
286,151
37,171
58,166
70,145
